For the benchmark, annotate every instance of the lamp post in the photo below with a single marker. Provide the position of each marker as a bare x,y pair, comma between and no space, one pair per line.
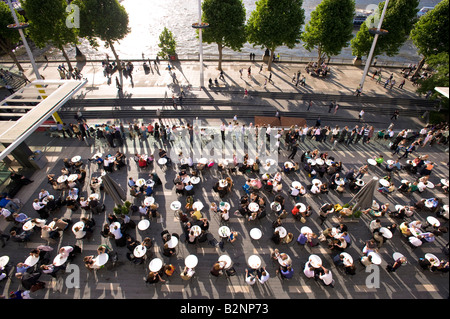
199,27
377,33
18,26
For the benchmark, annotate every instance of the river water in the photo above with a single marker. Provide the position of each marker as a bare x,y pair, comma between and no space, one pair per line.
149,17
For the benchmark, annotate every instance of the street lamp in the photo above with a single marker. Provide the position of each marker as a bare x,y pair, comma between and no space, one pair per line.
377,33
20,26
200,26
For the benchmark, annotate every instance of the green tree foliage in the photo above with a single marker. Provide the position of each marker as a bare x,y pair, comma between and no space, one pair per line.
47,19
9,38
106,20
399,21
276,23
431,33
330,28
439,63
226,19
167,44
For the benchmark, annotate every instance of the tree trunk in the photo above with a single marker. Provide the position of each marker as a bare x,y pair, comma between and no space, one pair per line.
419,67
220,47
119,65
269,65
69,64
5,48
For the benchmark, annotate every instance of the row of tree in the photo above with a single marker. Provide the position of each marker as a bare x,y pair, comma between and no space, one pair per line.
272,24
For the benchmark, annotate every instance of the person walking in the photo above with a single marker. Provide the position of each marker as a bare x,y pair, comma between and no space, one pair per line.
395,115
409,150
294,151
402,84
361,114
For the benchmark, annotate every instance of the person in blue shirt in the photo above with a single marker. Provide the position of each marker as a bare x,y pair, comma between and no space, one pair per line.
286,272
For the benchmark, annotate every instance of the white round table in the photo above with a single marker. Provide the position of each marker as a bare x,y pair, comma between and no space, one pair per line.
329,162
348,260
162,161
284,262
155,265
149,201
340,181
390,162
59,260
139,251
62,179
444,182
143,224
384,183
372,162
397,255
429,185
281,231
97,154
31,261
176,205
255,233
203,161
433,221
436,262
79,225
140,182
224,205
398,207
306,230
101,260
253,207
172,242
196,229
302,208
316,181
224,231
275,206
4,260
296,184
29,225
191,261
254,261
315,261
195,180
319,161
360,183
72,177
198,205
312,162
386,233
227,260
223,183
376,259
76,159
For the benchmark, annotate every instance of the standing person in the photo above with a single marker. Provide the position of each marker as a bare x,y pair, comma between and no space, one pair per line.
361,114
409,150
331,106
309,105
245,93
249,71
401,84
336,108
294,151
270,78
392,84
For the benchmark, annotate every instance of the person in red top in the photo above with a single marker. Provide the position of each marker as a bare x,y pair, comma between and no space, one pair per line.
150,128
296,211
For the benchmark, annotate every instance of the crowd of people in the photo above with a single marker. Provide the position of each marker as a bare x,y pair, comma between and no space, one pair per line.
311,175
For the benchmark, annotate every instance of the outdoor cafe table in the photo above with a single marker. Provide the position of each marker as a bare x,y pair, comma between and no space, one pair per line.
149,201
255,233
275,206
348,260
386,233
302,208
296,184
176,205
4,260
198,205
76,159
60,259
31,261
224,206
254,261
155,265
101,260
162,161
29,225
281,231
224,231
315,261
196,229
372,162
433,221
384,183
306,230
191,261
284,262
436,262
140,182
139,251
376,259
143,224
195,180
253,207
226,260
172,242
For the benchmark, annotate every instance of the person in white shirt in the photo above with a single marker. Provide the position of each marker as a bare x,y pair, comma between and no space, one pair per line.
249,278
308,270
5,212
295,192
315,189
326,277
262,275
374,225
42,194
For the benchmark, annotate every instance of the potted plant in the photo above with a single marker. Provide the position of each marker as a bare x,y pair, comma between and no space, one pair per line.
122,209
167,45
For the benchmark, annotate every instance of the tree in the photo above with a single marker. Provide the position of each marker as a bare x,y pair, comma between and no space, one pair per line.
106,20
47,19
9,38
431,33
226,19
439,63
330,28
167,44
276,23
399,21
